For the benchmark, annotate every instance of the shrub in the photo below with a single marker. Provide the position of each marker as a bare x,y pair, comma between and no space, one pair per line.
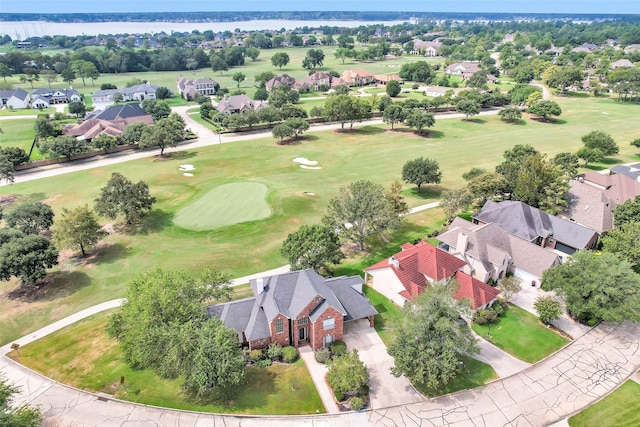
498,308
338,348
59,116
339,396
274,352
323,88
255,355
357,403
289,354
263,363
415,86
323,355
484,317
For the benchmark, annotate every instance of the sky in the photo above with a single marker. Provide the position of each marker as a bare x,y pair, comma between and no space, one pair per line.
505,6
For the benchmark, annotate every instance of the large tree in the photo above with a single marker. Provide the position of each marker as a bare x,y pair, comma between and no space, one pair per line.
314,58
545,110
280,59
624,242
360,210
430,337
161,324
157,109
77,228
133,132
312,246
238,77
419,120
218,64
345,108
63,146
122,196
7,169
602,141
12,415
421,171
455,201
393,113
348,375
487,185
393,88
167,132
26,256
468,107
30,217
597,286
77,108
541,184
627,213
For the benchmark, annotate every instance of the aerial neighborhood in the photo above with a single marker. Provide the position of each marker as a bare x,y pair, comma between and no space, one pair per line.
360,223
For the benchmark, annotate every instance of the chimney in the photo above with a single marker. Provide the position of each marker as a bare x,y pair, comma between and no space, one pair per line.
461,245
259,286
393,261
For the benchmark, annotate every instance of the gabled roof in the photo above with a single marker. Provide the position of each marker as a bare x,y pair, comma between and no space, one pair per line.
477,292
530,223
123,111
414,262
18,93
631,171
590,206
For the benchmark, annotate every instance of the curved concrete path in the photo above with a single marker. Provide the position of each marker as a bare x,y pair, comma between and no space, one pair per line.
563,384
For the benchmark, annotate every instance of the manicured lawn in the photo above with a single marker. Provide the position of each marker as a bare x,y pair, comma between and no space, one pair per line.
225,205
83,355
370,152
620,409
521,334
388,313
19,133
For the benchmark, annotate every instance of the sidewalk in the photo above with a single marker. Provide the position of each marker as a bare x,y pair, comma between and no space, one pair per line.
318,372
502,362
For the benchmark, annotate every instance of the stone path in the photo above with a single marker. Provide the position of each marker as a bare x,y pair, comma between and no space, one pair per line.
318,371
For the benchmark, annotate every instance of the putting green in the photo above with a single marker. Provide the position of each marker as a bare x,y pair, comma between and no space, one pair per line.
225,205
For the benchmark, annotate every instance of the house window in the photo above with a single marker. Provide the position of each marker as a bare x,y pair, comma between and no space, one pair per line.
303,320
328,324
279,325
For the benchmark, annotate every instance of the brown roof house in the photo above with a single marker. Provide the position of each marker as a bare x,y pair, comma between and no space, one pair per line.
277,82
357,77
297,308
111,121
465,69
238,104
490,252
430,49
406,275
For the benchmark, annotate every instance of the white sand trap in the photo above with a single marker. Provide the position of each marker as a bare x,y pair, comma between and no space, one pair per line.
310,167
187,167
309,193
305,161
187,174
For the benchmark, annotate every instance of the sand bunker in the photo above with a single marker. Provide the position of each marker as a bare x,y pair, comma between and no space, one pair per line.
310,167
305,161
187,167
187,174
309,193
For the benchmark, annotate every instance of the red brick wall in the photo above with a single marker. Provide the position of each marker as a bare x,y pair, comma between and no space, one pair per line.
257,344
304,313
316,333
283,338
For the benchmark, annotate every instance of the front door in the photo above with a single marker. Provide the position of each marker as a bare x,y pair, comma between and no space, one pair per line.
303,334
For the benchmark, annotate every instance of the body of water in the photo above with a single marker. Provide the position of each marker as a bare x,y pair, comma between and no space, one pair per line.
19,30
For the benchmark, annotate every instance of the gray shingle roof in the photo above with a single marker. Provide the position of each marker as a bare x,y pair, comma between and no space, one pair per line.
123,111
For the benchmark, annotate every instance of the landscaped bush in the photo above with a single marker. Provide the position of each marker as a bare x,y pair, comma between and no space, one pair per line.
339,396
338,348
264,363
498,308
289,354
255,355
357,403
274,352
415,86
323,355
485,316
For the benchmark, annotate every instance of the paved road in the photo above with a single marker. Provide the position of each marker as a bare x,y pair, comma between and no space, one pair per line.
563,384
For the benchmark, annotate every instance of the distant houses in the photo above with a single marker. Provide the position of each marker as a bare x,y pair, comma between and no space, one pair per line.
203,86
16,98
45,98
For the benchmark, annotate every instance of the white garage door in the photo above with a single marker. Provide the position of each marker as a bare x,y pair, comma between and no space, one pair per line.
525,277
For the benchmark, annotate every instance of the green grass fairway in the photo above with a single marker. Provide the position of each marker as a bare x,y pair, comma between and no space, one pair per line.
225,205
521,334
621,408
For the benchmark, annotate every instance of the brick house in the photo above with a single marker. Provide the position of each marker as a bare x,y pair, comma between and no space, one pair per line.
357,77
188,89
297,308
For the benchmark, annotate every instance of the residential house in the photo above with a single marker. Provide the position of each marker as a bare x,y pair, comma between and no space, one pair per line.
479,294
16,98
589,206
297,308
490,252
429,49
383,79
632,48
406,274
139,92
632,171
204,86
239,104
437,91
44,98
621,63
111,121
277,82
103,98
357,77
465,69
318,79
536,226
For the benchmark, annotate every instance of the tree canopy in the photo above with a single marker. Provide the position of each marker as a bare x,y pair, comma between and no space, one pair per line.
122,196
545,109
602,141
166,132
312,246
430,337
30,217
26,256
596,286
421,171
627,213
77,228
360,210
12,415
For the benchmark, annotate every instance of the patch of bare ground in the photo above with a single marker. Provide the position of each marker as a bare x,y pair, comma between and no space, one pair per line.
350,249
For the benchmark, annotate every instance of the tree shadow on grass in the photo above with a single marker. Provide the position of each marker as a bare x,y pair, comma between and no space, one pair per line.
557,122
604,164
156,221
107,254
476,121
369,130
55,285
428,191
519,122
181,155
435,134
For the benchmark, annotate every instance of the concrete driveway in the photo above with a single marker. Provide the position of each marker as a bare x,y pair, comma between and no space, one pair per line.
385,389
